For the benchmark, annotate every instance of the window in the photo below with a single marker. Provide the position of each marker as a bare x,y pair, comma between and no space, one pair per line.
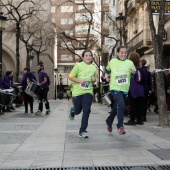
53,9
81,29
81,7
67,69
66,21
66,8
106,2
66,58
83,17
63,45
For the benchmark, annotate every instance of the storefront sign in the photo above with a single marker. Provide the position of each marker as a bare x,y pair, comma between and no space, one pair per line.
156,5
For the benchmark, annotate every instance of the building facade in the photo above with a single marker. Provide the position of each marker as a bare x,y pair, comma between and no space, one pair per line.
138,31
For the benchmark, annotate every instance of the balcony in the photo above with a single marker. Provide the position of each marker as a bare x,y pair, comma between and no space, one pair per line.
141,42
132,5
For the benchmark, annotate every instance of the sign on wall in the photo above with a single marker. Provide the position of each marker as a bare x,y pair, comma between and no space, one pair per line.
155,6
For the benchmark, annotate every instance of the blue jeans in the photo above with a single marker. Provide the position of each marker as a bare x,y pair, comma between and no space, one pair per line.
118,108
84,103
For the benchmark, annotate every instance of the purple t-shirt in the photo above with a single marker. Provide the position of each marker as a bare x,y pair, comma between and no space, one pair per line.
41,77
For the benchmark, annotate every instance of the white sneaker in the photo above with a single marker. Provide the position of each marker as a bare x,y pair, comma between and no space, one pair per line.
83,135
38,112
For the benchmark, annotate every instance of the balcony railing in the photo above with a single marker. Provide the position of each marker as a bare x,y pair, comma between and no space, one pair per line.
142,40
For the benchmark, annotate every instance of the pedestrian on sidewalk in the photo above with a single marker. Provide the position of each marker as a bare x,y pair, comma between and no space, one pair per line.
136,92
1,113
147,85
27,78
120,70
83,75
43,82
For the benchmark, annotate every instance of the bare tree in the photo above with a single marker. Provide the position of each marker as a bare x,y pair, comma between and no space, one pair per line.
157,39
16,12
37,35
74,42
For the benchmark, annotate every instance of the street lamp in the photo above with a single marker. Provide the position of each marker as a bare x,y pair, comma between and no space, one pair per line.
99,54
55,83
2,25
60,85
120,20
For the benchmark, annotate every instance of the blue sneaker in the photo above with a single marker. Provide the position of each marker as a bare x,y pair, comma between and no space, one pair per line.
71,114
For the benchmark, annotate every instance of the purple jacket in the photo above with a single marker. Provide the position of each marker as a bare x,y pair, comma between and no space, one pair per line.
0,82
136,85
6,82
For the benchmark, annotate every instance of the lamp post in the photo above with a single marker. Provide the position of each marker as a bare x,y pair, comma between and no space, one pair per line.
55,83
120,20
99,54
2,25
60,92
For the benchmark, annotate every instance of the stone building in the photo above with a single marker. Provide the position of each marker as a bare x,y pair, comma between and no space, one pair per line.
9,45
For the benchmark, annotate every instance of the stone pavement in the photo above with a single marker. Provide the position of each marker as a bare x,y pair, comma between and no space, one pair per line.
29,141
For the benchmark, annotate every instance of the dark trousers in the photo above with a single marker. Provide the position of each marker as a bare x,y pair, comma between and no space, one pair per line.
28,99
42,97
0,108
118,108
145,104
83,102
137,108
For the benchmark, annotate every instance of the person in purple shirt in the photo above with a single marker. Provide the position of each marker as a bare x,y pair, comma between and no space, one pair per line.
147,84
136,92
42,96
7,82
27,77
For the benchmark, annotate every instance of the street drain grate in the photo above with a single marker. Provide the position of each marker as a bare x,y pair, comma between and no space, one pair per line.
164,154
162,167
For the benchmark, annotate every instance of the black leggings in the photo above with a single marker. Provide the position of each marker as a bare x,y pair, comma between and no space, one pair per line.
42,97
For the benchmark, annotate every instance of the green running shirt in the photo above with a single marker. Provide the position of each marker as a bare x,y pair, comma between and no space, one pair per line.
85,72
120,74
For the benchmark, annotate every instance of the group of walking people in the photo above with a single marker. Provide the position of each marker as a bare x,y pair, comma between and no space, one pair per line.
128,76
6,83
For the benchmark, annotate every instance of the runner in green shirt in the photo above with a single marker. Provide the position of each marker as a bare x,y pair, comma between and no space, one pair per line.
83,74
120,70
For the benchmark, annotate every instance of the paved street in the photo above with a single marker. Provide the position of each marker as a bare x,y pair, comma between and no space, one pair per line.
29,141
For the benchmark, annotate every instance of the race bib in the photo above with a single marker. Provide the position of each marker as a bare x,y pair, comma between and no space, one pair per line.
85,85
123,79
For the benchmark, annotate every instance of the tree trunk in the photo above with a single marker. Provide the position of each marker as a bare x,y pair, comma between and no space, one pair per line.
38,58
160,85
17,52
27,59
